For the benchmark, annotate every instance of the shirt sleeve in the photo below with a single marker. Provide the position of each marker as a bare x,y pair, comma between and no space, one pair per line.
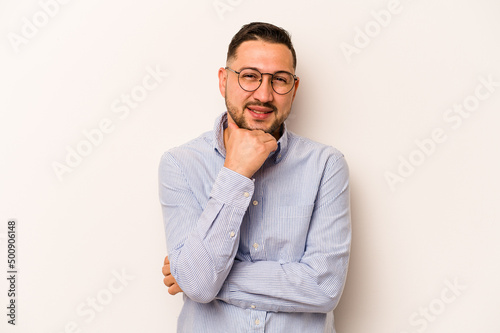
316,282
202,241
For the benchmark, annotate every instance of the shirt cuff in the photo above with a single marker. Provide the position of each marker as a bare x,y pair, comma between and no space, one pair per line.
233,188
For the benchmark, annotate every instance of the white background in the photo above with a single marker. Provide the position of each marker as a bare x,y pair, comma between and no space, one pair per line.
437,227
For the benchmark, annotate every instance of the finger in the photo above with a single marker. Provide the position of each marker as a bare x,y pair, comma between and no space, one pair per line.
272,147
174,289
166,270
166,260
268,137
169,280
270,141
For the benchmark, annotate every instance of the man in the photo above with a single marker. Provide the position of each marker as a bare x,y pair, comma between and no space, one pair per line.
256,217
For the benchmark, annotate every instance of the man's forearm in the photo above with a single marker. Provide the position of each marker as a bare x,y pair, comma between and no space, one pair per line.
291,287
202,243
315,282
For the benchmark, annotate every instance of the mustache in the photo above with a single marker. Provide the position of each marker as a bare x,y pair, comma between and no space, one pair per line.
266,105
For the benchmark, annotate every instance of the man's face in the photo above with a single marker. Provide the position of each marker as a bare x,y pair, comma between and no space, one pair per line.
263,108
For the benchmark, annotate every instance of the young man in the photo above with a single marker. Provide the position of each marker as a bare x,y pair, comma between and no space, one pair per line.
256,217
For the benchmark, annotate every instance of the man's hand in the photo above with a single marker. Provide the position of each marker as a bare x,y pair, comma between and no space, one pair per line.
247,150
169,280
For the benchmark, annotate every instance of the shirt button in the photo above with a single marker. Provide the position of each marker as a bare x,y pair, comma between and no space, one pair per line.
255,203
279,155
232,234
253,306
246,194
257,322
255,245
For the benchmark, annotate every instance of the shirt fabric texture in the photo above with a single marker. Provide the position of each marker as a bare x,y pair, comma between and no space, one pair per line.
267,254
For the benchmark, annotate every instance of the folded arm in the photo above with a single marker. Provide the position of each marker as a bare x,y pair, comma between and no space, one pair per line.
202,241
316,282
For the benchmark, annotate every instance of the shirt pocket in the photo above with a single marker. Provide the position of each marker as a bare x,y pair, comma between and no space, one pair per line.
291,232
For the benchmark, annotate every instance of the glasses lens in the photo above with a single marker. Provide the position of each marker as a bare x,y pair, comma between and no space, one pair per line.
283,82
249,79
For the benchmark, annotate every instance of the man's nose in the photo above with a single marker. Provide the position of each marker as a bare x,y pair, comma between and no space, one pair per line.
265,92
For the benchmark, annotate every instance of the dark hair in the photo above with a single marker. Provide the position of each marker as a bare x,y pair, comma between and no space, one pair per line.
261,31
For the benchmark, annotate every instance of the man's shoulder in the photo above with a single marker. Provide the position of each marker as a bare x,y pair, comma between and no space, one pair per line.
195,147
303,145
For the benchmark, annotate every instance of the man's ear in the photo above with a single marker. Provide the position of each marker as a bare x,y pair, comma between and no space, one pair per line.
222,81
296,87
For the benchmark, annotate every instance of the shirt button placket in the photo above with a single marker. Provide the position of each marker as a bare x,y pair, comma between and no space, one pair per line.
258,320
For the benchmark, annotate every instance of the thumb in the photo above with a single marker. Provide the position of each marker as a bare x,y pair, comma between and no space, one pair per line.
232,125
230,128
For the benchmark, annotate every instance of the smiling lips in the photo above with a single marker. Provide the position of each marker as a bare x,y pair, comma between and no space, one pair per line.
260,112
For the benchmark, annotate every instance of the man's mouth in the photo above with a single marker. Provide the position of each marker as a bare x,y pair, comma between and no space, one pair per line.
260,109
260,112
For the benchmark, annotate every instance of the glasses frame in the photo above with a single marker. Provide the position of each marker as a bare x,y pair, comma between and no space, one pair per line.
261,76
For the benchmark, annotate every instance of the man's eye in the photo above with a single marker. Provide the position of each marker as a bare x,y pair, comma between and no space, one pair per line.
280,79
250,76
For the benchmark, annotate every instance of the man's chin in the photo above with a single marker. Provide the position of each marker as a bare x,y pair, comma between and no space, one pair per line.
257,126
248,123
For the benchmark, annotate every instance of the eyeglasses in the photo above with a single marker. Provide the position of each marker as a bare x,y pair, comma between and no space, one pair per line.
250,80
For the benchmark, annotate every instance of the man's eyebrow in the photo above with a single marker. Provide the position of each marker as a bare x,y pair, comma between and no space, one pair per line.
257,69
246,67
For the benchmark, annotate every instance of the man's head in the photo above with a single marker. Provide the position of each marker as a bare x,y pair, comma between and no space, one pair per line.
266,49
260,31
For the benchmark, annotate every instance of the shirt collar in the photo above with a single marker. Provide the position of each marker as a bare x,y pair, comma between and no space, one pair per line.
221,124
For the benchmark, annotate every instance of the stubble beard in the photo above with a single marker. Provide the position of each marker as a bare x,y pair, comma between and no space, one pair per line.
239,117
